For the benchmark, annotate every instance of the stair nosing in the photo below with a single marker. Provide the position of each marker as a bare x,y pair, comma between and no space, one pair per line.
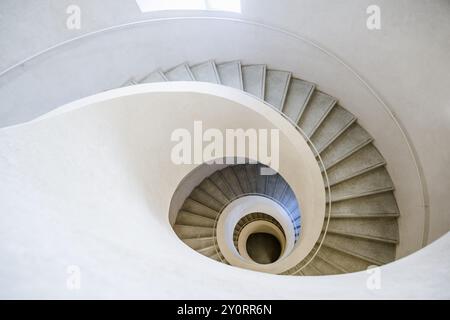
350,153
338,267
188,69
306,102
355,255
193,213
330,107
333,138
360,236
360,195
359,173
200,203
286,87
364,216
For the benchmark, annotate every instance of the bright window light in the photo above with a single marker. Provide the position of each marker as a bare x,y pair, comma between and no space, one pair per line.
216,5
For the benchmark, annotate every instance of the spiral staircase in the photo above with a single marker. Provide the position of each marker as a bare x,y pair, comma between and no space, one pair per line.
360,228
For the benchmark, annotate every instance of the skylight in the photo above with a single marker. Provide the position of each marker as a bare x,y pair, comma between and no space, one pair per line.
214,5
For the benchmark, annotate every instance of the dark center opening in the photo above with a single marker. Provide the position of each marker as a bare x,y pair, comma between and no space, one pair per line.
263,248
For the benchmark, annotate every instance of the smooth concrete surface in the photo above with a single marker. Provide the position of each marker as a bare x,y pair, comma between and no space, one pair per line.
78,189
82,181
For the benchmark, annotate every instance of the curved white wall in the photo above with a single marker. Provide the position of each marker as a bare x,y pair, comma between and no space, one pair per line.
406,63
100,169
79,188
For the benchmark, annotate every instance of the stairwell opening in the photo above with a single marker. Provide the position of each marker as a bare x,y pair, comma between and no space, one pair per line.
263,248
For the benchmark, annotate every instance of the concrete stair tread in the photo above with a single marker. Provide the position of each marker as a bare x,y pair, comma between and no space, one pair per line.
211,188
192,232
373,251
376,180
198,208
361,161
317,109
230,74
334,124
349,142
181,72
276,87
362,236
206,72
199,243
254,79
339,268
191,219
155,76
324,267
129,82
232,180
241,175
206,199
297,97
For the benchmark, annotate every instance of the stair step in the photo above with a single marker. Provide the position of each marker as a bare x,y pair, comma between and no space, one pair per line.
271,183
347,262
191,219
365,159
198,208
252,172
297,98
192,232
181,72
310,270
324,267
129,82
206,199
280,188
337,120
319,106
218,257
260,181
211,188
199,243
209,251
374,181
289,200
254,79
383,203
375,252
155,76
230,74
361,236
330,262
218,179
276,87
349,142
232,180
241,174
206,72
363,216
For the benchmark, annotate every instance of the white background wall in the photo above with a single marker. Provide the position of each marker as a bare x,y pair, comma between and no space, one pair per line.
406,61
